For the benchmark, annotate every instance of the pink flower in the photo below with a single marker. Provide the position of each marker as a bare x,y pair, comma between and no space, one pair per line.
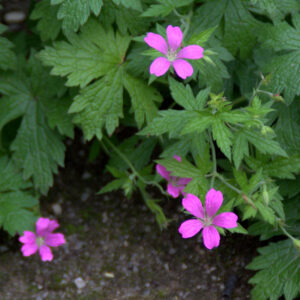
173,55
42,240
176,184
206,220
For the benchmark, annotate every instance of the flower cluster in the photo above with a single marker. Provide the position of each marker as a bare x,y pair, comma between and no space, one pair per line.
176,184
42,240
205,219
174,55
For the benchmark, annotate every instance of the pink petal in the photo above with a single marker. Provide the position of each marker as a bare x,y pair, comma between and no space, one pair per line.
55,239
29,249
173,190
157,42
191,52
213,201
174,35
159,66
53,224
193,205
42,226
177,158
45,253
162,171
28,237
182,68
211,237
183,181
190,228
226,220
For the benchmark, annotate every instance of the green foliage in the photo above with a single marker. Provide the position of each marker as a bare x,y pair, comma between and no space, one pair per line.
278,271
7,56
75,13
48,25
235,122
16,202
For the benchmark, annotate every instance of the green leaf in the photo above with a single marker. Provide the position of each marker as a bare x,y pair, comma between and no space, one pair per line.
88,55
200,122
180,169
157,210
239,149
263,143
223,136
14,214
48,25
58,117
134,4
7,56
37,148
278,271
76,13
288,127
112,186
266,212
285,75
142,99
169,121
165,7
100,104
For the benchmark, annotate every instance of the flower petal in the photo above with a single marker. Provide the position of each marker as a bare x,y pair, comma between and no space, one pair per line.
191,52
28,237
182,68
177,158
226,220
211,237
53,224
190,228
193,205
162,171
173,190
42,226
213,201
157,42
45,253
174,35
55,239
159,66
29,249
183,181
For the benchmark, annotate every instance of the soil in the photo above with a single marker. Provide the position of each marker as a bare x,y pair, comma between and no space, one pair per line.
115,249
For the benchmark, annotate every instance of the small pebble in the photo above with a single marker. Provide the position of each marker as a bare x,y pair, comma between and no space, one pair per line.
84,196
14,17
109,275
80,283
57,210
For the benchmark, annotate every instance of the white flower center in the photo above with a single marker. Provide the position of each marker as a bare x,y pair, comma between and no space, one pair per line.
39,241
172,55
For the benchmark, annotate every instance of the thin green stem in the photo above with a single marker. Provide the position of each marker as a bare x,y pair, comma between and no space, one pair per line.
130,165
213,154
284,231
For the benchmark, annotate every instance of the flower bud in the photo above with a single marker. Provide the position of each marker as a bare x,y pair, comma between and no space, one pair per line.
297,244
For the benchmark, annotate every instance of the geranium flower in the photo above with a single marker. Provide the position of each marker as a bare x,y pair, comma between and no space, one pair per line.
176,184
42,240
173,55
206,220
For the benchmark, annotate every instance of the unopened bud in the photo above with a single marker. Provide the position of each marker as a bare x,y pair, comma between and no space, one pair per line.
277,97
265,130
266,195
296,243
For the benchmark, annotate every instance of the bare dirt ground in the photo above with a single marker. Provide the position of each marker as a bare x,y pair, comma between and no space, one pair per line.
115,249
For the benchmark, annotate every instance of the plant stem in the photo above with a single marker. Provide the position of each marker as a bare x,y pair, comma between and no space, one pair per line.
132,168
284,231
213,154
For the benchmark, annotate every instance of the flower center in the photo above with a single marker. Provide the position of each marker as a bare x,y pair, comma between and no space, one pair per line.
172,55
174,181
207,221
39,241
